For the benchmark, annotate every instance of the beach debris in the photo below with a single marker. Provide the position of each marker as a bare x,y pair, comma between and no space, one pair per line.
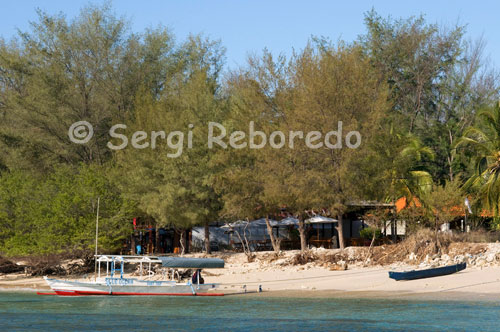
339,266
303,258
7,266
53,264
491,257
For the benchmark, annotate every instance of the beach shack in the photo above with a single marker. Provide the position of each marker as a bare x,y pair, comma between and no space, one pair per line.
147,238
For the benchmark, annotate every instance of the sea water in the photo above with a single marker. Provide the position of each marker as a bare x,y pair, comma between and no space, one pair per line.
30,312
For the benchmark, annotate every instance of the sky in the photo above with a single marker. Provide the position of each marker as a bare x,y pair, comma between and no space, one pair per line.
247,27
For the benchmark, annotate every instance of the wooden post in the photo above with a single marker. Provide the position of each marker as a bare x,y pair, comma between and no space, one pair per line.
96,236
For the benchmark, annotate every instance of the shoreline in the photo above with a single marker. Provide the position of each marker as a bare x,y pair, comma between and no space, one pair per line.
472,284
331,294
374,295
280,276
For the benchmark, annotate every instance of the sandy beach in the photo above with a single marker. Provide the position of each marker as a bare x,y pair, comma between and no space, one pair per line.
366,280
304,280
278,279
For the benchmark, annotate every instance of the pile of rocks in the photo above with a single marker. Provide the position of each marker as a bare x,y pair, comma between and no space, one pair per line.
490,257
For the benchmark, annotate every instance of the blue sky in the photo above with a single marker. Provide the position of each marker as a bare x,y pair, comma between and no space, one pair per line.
249,26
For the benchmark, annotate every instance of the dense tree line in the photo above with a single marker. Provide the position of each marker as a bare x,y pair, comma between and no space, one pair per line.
422,97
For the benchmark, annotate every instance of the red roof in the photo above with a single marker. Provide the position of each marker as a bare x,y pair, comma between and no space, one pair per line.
457,211
401,203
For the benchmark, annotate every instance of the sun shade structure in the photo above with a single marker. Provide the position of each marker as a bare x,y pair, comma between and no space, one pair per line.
191,263
320,220
239,223
289,221
262,222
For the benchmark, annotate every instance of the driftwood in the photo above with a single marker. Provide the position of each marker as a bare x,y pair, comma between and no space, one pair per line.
60,264
6,266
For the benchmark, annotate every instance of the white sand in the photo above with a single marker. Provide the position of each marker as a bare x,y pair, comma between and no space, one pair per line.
306,278
486,280
310,277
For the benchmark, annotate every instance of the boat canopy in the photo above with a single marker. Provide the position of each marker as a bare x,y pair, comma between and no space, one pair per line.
191,263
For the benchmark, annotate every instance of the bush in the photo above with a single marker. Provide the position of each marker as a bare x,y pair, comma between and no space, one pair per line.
56,213
367,233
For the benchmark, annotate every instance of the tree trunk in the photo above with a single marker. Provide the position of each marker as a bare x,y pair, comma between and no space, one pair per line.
340,230
274,241
373,240
302,232
450,156
437,245
132,244
207,238
245,245
157,239
370,250
181,241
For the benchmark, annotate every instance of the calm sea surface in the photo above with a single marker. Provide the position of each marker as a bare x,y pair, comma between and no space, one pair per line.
28,312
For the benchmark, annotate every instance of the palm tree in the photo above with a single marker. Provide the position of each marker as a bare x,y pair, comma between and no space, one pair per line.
484,140
409,180
406,173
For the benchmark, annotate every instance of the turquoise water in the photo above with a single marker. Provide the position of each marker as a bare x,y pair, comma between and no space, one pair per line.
28,312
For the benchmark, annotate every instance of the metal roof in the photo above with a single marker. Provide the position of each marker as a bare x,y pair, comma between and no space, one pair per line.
191,263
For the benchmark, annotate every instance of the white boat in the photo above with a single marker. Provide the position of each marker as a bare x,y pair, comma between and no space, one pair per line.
115,283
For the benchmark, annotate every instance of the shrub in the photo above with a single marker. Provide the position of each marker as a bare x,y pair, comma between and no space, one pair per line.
367,233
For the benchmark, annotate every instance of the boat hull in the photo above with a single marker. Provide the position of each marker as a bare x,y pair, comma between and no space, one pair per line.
130,287
429,273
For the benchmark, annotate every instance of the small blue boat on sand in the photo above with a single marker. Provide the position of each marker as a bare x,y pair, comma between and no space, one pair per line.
428,273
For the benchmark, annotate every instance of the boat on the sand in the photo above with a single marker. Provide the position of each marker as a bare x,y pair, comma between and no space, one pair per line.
115,282
427,273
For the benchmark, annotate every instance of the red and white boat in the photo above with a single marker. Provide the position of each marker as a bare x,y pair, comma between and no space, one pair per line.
115,283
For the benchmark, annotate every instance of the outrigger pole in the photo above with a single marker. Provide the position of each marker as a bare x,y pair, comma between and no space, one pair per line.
96,233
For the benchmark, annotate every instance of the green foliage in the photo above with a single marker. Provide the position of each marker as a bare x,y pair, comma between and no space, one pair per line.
313,91
484,140
61,72
175,186
437,80
58,212
495,224
410,88
416,218
367,233
442,202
